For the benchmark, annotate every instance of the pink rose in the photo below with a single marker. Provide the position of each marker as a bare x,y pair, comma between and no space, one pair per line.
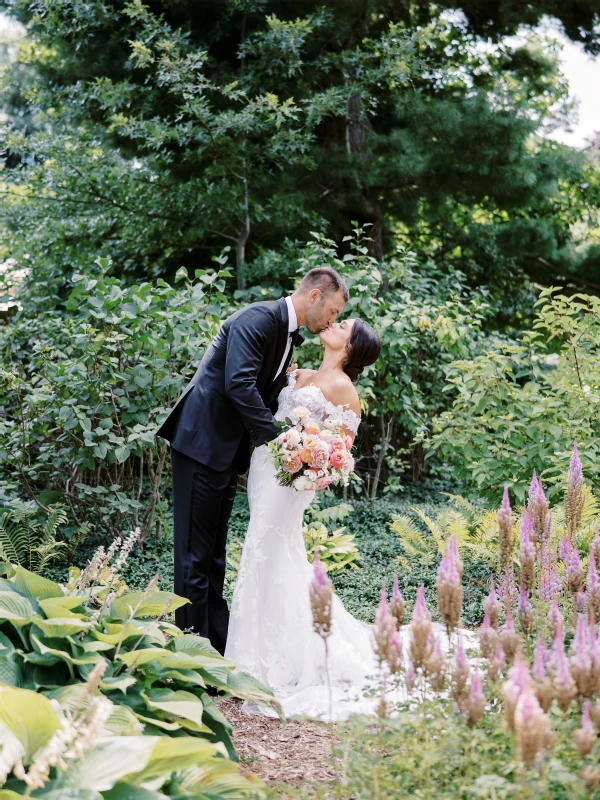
292,465
320,457
348,442
323,483
311,441
349,465
337,459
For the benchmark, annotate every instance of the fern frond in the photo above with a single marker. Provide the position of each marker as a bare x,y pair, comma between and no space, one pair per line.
435,529
410,535
462,502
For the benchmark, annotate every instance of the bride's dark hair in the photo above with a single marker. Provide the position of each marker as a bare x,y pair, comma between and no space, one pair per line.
363,348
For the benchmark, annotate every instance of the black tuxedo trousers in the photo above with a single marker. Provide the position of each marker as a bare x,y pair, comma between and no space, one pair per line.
202,503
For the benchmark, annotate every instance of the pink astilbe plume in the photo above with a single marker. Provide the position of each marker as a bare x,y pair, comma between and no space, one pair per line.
575,572
507,589
396,653
525,610
542,685
595,546
550,583
449,586
508,637
421,633
496,664
492,606
474,705
585,737
584,662
565,688
527,553
532,728
574,497
410,676
555,619
435,666
321,598
505,543
538,506
397,605
488,637
518,680
460,674
593,585
383,628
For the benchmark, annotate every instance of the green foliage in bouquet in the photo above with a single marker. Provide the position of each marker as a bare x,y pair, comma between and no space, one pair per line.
84,391
518,407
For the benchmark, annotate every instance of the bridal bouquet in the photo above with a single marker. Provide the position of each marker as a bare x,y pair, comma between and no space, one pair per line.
309,456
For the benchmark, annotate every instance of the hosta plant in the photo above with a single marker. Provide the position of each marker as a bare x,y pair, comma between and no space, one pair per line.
337,549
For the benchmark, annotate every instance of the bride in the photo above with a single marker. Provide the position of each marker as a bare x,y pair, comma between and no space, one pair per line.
270,628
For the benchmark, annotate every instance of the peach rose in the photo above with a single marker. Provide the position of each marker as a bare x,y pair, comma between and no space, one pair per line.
324,482
348,465
306,455
312,427
348,442
292,465
337,459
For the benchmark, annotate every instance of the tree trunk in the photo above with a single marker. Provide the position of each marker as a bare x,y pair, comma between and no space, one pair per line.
386,436
358,132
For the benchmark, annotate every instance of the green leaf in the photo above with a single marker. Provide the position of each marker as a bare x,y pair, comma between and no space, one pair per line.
29,716
58,627
35,586
15,608
177,703
152,606
170,754
125,791
111,760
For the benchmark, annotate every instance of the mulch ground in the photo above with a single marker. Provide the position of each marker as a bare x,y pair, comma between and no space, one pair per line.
294,755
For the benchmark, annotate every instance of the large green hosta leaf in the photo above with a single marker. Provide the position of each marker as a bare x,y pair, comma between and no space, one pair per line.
10,667
241,684
35,586
15,608
29,716
57,627
118,633
167,658
152,606
62,606
125,791
224,781
181,704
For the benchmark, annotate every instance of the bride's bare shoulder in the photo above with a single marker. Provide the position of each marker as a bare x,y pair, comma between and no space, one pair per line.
304,373
345,394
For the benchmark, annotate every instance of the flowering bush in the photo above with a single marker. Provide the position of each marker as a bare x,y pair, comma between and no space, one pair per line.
511,710
309,456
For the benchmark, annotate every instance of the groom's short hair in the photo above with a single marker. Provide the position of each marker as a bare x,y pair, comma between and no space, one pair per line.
326,279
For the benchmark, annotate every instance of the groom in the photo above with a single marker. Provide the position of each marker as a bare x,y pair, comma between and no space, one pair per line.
229,403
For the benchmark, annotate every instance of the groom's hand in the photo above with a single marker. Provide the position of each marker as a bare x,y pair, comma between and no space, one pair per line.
292,368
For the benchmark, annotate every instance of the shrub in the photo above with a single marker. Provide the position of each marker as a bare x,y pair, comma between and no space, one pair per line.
517,407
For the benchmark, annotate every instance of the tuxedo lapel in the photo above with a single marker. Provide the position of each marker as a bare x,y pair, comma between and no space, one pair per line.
282,336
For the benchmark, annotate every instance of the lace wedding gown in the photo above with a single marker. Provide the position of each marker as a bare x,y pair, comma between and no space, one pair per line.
270,627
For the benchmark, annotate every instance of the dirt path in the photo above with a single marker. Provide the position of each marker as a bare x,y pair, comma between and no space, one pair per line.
296,754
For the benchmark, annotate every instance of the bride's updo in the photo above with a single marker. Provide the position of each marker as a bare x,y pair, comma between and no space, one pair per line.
363,348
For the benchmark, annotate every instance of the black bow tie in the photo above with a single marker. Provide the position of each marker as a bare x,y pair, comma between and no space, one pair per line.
297,337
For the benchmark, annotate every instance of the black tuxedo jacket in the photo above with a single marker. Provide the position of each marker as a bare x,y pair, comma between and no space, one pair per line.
233,395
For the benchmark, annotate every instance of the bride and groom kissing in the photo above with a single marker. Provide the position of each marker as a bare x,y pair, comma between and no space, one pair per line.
241,388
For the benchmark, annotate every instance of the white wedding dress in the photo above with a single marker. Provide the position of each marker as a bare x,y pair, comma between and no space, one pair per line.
270,628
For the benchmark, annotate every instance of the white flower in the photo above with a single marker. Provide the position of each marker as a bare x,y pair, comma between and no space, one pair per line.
300,413
326,435
293,437
301,483
330,424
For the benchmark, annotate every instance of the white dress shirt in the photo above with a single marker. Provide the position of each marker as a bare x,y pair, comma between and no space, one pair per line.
292,326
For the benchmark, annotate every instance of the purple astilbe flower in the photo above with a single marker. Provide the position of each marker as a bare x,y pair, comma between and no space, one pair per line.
518,680
507,589
508,637
460,673
496,664
574,497
505,543
397,605
420,626
541,658
584,659
564,549
565,688
527,553
593,585
525,609
492,606
395,653
531,727
538,509
410,676
488,637
449,586
575,573
475,702
580,601
595,546
321,598
383,628
436,666
555,618
550,582
585,737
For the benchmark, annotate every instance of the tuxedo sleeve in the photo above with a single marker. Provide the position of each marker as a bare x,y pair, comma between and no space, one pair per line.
247,343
